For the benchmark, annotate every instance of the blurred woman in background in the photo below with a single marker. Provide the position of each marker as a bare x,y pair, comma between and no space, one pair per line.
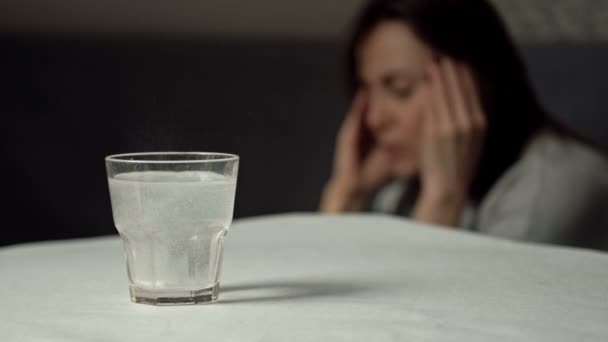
444,127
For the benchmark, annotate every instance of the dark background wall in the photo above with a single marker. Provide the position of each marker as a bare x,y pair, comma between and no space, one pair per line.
68,99
68,102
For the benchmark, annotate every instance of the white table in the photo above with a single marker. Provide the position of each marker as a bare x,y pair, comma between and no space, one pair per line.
318,278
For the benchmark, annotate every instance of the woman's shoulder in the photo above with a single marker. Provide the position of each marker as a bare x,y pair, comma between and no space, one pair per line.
553,158
565,154
550,193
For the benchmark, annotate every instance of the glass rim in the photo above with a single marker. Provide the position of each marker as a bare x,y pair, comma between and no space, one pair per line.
117,158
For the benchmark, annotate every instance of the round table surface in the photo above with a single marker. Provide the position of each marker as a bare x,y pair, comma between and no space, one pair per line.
309,277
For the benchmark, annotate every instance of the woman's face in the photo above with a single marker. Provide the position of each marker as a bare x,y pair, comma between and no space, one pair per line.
391,66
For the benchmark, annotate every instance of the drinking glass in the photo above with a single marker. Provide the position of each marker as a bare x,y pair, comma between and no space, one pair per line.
172,211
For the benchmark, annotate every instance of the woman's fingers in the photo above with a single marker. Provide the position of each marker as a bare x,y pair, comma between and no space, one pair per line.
428,120
473,98
439,106
357,108
350,132
459,110
367,171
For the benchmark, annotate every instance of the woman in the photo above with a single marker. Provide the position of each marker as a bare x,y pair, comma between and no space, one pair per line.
444,127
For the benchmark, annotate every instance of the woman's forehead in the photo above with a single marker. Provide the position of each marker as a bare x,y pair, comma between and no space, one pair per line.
391,46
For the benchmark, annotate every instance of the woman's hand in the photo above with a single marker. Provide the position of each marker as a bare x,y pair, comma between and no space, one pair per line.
359,167
453,132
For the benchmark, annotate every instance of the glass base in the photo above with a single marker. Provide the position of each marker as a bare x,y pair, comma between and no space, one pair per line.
174,297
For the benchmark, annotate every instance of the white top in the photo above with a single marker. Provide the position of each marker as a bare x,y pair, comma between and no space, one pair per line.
556,193
319,278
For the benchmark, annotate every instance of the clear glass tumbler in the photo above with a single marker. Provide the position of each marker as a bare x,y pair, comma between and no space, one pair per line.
172,211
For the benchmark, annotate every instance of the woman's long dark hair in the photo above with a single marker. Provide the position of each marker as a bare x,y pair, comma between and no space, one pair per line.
469,31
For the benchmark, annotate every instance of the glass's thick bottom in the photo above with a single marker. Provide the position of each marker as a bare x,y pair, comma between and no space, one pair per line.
174,297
